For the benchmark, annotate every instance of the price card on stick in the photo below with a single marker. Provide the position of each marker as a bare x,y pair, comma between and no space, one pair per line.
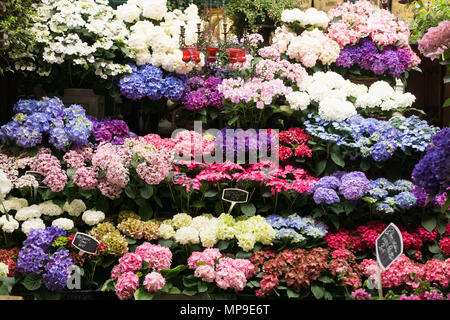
85,243
234,195
389,246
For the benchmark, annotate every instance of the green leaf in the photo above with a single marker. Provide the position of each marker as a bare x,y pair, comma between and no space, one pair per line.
326,279
317,291
446,103
4,290
233,120
292,294
188,292
174,290
130,241
320,166
434,248
142,294
202,287
364,165
190,281
429,223
171,273
32,282
108,286
328,295
146,192
447,78
222,245
198,204
248,209
130,192
71,172
169,243
210,193
338,159
243,255
146,212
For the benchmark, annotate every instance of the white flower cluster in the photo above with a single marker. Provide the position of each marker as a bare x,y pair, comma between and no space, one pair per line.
93,217
382,95
5,185
333,94
63,223
4,270
154,33
75,208
310,17
282,38
85,33
208,230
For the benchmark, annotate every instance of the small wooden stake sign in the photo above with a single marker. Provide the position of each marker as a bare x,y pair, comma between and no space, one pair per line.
85,243
389,246
234,195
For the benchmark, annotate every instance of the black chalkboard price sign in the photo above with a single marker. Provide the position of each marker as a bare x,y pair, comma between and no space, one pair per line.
235,195
389,246
85,243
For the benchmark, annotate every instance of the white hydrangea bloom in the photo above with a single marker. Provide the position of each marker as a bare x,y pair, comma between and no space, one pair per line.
8,225
187,235
33,211
4,270
49,208
75,208
63,223
5,185
13,204
332,109
298,100
31,224
92,217
166,231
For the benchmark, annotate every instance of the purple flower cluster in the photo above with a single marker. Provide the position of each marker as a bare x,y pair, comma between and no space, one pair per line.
202,92
35,257
352,186
110,130
148,81
432,173
56,270
368,56
422,197
248,141
48,117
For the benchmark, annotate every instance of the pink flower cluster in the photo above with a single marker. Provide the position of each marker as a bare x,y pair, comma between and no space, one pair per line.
156,256
279,179
356,20
436,41
364,237
190,145
10,165
253,91
254,39
228,273
49,166
405,273
271,69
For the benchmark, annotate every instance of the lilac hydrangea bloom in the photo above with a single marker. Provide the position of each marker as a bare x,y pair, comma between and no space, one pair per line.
354,185
56,270
329,196
330,182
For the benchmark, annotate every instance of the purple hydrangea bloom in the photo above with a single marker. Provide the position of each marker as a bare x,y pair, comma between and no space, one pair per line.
354,185
329,196
405,200
329,182
133,87
173,88
57,270
31,259
433,172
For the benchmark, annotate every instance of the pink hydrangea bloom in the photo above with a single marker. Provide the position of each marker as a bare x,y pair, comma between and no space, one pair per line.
157,256
126,286
436,41
130,262
154,281
205,272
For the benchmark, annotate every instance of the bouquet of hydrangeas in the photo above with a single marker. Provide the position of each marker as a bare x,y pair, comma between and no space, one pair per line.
373,39
155,31
35,120
87,36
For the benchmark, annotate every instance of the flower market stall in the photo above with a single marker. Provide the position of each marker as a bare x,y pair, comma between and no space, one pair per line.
201,158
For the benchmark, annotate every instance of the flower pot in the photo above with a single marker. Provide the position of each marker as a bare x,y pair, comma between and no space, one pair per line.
365,80
93,103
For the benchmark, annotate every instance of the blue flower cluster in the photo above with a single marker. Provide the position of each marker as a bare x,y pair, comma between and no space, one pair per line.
148,81
433,172
48,117
34,257
389,196
374,138
295,228
352,186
